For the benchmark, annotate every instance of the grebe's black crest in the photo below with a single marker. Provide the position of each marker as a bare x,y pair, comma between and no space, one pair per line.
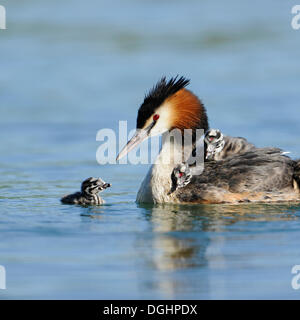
157,95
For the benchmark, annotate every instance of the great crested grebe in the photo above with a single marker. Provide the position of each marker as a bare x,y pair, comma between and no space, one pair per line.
89,193
258,175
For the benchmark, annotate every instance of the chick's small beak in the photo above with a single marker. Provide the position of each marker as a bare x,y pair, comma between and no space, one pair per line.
139,136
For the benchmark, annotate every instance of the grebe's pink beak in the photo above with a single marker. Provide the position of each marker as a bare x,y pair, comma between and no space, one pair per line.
139,136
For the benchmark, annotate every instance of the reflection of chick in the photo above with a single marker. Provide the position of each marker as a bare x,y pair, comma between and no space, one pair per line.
89,193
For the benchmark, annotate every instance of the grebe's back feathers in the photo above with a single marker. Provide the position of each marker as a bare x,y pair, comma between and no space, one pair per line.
255,172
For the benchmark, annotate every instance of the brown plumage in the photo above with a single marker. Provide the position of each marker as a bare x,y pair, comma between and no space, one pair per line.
188,112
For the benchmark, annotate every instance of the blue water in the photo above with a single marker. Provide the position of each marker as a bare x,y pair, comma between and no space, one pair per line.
69,68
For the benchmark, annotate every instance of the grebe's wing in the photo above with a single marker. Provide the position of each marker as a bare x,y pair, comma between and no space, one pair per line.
263,170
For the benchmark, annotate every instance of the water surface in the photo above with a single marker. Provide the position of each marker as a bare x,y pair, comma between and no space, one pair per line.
69,68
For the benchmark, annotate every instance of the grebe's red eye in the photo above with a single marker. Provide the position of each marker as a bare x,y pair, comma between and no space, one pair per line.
155,117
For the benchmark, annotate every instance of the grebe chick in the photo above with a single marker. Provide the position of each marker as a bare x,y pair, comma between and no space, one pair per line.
220,147
88,194
214,141
181,176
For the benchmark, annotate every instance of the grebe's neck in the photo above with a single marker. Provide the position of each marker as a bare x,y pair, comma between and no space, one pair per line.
157,183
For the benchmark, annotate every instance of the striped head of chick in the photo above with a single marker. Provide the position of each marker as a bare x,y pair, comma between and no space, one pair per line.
180,177
214,141
92,186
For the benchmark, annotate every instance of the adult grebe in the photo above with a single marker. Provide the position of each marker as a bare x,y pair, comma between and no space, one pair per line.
258,175
89,193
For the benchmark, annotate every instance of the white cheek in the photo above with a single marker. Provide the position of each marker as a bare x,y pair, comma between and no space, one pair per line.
163,124
159,128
